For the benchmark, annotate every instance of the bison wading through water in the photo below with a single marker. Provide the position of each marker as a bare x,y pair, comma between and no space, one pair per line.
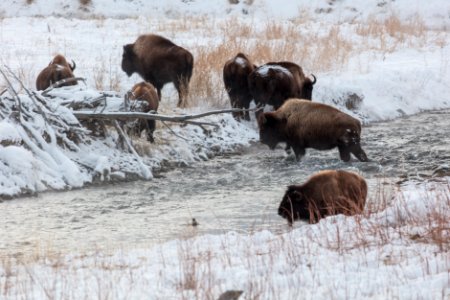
304,124
326,193
58,69
235,78
146,92
275,82
159,61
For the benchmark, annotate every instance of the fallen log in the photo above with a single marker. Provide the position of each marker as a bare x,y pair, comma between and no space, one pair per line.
83,115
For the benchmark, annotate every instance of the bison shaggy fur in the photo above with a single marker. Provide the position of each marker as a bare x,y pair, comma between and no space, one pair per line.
146,92
326,193
58,69
235,78
275,82
304,124
159,61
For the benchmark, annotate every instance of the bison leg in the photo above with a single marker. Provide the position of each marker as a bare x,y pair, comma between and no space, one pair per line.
182,86
344,153
299,152
246,114
359,152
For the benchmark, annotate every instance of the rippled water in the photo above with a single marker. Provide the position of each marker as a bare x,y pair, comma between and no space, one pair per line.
231,192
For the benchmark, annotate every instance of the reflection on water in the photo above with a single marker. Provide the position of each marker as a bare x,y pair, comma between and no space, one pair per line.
231,192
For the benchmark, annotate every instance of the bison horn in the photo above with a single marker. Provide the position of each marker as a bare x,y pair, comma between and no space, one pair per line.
315,79
73,66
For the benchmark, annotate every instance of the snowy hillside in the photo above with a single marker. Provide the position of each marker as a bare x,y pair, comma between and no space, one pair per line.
435,12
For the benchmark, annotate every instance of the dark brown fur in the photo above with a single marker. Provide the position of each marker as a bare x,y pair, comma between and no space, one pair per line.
235,78
145,91
278,86
58,69
159,61
304,124
326,193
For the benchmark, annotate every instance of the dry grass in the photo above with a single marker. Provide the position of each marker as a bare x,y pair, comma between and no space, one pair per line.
329,51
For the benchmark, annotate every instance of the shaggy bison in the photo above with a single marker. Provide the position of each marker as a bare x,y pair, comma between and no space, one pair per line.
235,78
145,92
58,69
304,124
275,82
324,194
159,61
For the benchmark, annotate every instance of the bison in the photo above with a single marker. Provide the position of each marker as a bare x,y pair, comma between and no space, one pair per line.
159,61
235,78
275,82
58,69
146,92
326,193
304,124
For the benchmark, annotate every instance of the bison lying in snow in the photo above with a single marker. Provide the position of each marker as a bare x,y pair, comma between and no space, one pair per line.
144,91
235,77
159,61
324,194
304,124
275,82
58,69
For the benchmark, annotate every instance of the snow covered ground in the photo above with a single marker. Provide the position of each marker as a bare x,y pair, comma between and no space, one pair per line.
400,251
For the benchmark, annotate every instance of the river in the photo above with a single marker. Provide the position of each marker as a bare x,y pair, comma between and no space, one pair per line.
235,191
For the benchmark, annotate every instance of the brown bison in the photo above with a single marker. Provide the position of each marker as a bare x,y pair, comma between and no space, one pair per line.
159,61
235,78
275,82
58,69
326,193
146,92
304,124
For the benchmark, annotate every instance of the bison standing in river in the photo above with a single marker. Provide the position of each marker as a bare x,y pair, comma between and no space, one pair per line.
304,124
326,193
58,69
235,78
275,82
146,93
159,61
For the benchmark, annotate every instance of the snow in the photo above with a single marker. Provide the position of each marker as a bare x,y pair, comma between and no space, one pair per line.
398,251
264,70
390,253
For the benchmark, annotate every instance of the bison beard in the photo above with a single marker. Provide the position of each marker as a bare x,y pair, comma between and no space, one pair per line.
159,61
324,194
304,124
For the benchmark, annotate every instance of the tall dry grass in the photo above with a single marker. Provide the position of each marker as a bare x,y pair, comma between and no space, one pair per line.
325,49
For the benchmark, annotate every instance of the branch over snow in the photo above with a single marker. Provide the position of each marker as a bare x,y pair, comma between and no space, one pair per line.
151,116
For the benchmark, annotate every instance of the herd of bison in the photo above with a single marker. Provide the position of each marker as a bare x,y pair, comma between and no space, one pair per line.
296,120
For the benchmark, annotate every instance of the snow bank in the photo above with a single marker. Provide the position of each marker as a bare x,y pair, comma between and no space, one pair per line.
31,163
397,252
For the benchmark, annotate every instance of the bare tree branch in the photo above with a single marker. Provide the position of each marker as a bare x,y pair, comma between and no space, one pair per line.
150,116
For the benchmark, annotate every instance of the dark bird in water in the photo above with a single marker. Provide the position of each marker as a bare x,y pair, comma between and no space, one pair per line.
230,295
194,222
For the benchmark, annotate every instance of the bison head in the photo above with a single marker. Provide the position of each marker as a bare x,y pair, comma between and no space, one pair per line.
292,206
307,87
270,129
128,58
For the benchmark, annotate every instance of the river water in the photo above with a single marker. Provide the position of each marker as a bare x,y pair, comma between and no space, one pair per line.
239,192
